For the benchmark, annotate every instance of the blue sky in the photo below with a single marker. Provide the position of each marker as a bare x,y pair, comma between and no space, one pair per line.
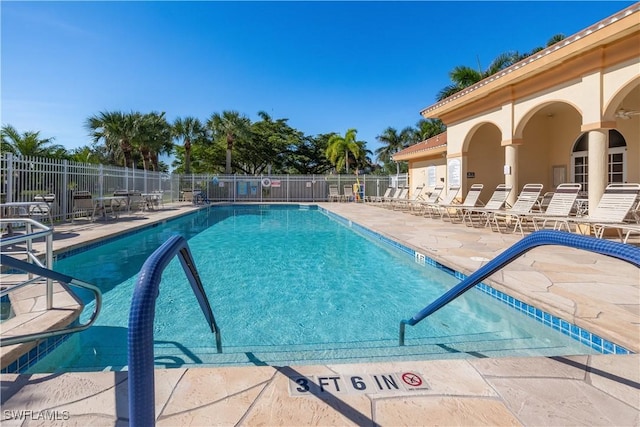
326,66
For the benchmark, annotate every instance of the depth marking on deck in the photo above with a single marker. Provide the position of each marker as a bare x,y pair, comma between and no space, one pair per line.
388,383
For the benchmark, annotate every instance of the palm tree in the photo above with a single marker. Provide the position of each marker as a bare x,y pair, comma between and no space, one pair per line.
227,127
393,142
117,130
188,130
463,76
427,128
339,147
30,144
152,137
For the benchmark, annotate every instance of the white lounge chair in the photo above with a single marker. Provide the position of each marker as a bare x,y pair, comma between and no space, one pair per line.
615,205
405,204
334,194
455,210
497,201
348,195
434,209
525,202
379,199
560,206
83,205
419,207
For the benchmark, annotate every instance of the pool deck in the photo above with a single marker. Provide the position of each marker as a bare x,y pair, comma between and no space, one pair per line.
598,293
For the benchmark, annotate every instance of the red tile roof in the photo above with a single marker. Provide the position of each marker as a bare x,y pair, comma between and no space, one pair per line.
432,143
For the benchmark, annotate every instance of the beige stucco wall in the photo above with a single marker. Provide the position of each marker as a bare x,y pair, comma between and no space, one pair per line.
418,172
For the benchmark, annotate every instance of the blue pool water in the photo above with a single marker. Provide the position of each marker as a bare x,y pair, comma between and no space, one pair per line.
289,286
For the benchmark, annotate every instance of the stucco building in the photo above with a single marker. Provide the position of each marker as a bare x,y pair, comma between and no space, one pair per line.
569,113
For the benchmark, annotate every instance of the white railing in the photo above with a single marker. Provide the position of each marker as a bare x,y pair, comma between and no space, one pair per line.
23,178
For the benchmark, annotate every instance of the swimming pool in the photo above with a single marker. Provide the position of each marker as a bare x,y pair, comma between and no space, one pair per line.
290,285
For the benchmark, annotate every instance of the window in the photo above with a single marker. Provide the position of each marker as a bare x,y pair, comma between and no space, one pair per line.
617,155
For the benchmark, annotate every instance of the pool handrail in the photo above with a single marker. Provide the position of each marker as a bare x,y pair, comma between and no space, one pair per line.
49,275
141,317
41,231
624,252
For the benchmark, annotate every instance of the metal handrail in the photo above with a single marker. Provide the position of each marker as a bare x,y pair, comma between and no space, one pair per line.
28,238
141,317
624,252
63,278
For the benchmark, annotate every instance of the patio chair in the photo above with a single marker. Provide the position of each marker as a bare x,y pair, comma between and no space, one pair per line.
334,194
497,201
379,199
401,194
612,211
43,210
348,195
418,208
455,210
433,209
524,204
405,204
83,205
560,206
395,193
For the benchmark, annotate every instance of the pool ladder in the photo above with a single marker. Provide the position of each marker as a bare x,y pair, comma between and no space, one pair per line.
141,316
10,247
624,252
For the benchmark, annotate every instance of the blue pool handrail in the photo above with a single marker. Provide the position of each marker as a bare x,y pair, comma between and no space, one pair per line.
624,252
43,272
141,317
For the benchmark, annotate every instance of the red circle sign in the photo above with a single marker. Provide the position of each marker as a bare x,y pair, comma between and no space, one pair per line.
412,379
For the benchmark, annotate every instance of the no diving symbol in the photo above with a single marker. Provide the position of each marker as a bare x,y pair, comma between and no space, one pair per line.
412,379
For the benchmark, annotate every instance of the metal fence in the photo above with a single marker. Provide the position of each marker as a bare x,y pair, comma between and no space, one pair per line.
23,178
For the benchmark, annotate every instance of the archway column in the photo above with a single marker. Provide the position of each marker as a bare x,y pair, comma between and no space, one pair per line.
598,162
511,168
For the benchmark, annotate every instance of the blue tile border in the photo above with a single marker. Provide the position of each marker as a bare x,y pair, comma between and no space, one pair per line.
27,360
579,334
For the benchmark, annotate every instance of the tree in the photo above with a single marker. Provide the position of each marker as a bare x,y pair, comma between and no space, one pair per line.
30,144
228,127
152,137
427,128
339,147
463,76
392,143
188,130
116,129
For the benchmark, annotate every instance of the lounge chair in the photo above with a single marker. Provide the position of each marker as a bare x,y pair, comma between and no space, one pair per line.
419,207
348,195
497,201
386,201
400,194
560,205
405,204
455,210
434,209
379,199
615,205
524,204
334,194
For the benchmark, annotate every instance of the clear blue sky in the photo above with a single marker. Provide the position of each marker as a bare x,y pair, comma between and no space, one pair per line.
326,66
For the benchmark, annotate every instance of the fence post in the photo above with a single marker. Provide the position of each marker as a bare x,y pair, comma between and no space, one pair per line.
100,181
65,190
9,196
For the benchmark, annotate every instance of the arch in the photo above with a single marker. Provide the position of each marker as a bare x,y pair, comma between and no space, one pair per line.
549,108
474,129
615,103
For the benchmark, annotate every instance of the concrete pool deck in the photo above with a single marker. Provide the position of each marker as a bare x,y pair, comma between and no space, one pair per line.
595,292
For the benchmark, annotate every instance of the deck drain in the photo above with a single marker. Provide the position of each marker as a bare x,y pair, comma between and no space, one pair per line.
479,258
